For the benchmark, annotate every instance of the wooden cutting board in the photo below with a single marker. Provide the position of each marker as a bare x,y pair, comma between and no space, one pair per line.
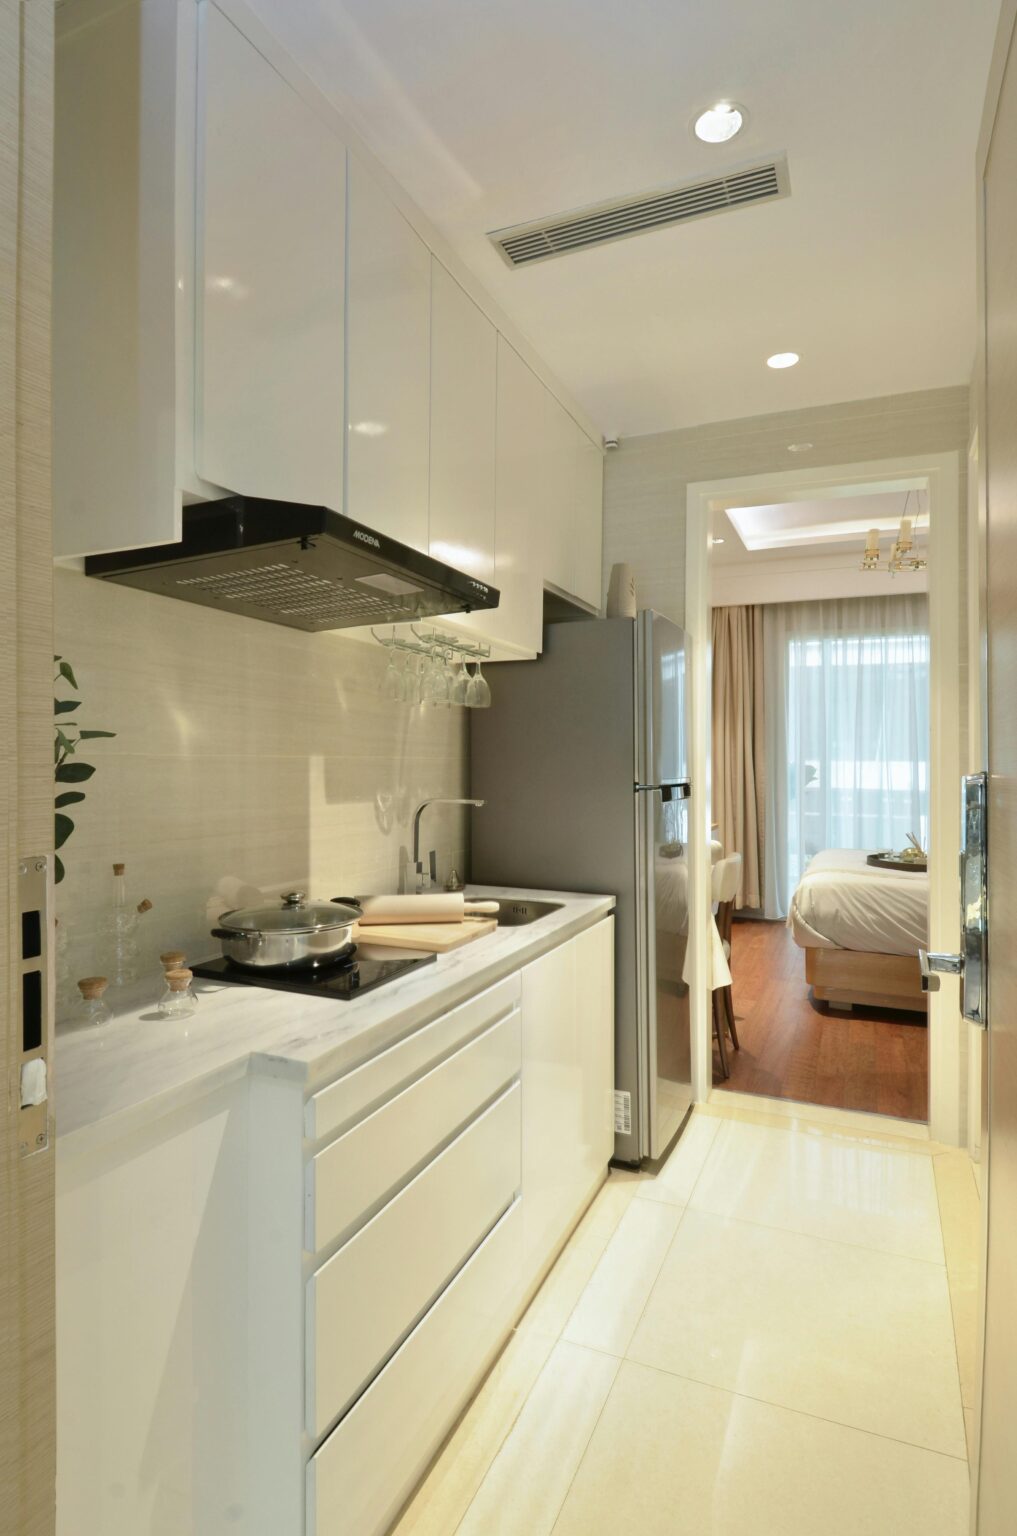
435,938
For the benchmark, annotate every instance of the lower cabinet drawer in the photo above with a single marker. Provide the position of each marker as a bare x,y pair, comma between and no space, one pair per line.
360,1169
371,1292
372,1460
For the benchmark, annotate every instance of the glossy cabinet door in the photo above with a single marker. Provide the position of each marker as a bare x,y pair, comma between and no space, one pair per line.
514,629
114,294
588,520
388,366
559,495
552,1105
568,1081
595,1036
464,347
270,282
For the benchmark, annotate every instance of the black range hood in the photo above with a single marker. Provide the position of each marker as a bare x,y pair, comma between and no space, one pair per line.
287,563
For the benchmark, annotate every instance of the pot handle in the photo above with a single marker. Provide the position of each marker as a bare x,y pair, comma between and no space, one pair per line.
228,933
347,901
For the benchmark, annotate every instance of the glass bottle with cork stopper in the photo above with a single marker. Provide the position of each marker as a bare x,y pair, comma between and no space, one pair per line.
175,960
178,1000
92,1009
122,927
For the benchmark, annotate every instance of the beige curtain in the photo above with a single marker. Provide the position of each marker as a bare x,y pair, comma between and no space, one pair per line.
738,742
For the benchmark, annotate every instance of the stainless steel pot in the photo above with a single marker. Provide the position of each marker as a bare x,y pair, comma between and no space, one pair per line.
294,937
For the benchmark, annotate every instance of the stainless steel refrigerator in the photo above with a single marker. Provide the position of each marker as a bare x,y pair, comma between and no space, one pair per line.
582,761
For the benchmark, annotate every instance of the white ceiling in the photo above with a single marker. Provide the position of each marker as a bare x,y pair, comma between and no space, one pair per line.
491,114
837,527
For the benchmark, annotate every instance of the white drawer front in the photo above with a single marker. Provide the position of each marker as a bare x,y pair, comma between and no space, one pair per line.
352,1174
371,1462
354,1094
366,1298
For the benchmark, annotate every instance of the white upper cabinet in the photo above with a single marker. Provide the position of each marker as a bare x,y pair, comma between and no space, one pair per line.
464,347
558,494
514,630
588,520
114,293
271,237
239,305
388,366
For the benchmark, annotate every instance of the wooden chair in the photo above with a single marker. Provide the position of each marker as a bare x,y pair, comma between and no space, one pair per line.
725,876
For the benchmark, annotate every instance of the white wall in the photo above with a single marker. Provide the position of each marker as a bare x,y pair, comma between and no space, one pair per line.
249,759
645,480
807,575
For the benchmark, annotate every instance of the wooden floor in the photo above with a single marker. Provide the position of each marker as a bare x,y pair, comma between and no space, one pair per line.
792,1048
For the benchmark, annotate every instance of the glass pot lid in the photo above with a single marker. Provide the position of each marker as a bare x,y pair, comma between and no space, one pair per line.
295,915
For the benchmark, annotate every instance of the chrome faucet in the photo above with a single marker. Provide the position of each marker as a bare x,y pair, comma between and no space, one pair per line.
432,857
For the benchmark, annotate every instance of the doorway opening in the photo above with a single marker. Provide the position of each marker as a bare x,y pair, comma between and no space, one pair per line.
819,690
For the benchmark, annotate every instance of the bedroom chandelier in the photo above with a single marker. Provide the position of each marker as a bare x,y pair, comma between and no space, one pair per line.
902,556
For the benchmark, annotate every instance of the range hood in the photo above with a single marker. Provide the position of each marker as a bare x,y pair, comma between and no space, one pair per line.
288,563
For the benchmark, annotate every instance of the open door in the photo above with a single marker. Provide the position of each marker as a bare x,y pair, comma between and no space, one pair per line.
27,1420
996,1467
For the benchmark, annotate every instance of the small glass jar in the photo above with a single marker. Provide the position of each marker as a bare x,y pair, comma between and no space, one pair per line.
92,1010
178,1000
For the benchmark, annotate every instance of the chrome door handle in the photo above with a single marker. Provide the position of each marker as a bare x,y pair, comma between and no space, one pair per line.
972,961
935,965
679,789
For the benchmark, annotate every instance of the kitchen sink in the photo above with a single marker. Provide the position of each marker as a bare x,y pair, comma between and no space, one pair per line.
516,914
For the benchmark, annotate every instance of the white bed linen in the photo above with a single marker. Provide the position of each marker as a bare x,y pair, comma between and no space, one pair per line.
843,903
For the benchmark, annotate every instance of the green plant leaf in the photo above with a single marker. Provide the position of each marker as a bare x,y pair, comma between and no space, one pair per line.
64,742
58,870
89,735
66,671
69,797
74,773
64,827
64,706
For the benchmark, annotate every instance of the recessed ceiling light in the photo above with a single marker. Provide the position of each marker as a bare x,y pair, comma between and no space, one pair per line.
719,123
716,540
799,447
782,360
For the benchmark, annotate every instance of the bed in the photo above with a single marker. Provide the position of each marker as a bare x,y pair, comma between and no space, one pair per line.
861,929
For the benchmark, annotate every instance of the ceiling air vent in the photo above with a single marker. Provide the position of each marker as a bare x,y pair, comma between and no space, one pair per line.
524,244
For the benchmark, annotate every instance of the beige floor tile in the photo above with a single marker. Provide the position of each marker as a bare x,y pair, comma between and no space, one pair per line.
837,1188
553,1304
961,1217
526,1486
452,1482
821,1120
960,1210
848,1334
964,1306
969,1432
677,1179
607,1312
675,1458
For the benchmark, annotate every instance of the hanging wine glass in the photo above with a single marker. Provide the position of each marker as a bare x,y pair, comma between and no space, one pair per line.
393,684
478,694
413,681
460,683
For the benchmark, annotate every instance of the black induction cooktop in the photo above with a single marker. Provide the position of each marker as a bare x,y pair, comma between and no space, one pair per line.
359,972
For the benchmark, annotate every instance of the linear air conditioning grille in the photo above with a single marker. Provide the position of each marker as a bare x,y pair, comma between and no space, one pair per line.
527,243
287,590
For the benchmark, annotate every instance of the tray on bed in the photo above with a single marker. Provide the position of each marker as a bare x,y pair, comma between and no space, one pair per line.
889,860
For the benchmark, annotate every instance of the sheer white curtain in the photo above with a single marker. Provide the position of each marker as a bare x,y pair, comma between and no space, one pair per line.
847,726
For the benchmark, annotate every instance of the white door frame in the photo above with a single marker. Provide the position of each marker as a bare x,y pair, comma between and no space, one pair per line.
939,475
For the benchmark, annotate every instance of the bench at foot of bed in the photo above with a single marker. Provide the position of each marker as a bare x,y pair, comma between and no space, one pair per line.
842,977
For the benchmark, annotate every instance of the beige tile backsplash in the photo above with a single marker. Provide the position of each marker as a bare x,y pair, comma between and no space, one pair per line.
249,759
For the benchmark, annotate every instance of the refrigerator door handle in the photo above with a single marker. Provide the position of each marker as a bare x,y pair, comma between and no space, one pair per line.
680,789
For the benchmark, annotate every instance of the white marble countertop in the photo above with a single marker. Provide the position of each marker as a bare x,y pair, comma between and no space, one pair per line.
120,1075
